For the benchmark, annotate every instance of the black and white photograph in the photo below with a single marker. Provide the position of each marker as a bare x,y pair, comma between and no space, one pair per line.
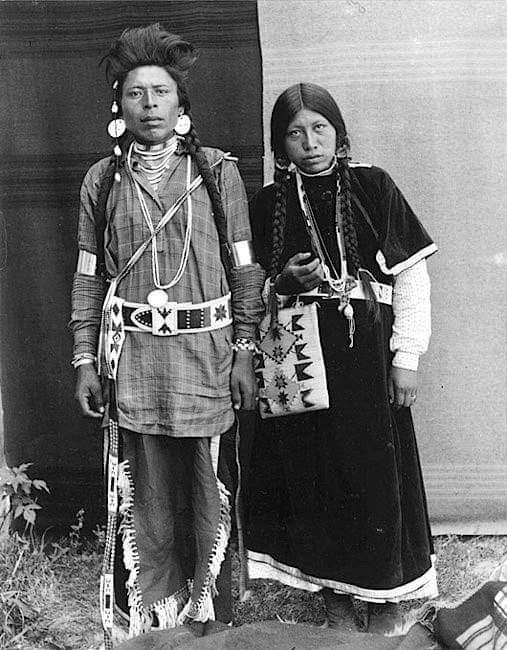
253,367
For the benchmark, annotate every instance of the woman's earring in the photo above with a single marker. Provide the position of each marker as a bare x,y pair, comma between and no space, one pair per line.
342,152
183,125
282,163
116,128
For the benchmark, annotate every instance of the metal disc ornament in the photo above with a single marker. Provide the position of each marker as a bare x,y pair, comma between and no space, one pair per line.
183,125
157,298
116,128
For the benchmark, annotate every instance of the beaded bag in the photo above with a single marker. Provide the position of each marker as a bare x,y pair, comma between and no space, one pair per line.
289,366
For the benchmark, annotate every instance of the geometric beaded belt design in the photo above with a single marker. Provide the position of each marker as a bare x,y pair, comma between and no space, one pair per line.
173,318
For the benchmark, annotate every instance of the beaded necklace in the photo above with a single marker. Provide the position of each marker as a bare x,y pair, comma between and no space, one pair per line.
149,222
153,161
340,284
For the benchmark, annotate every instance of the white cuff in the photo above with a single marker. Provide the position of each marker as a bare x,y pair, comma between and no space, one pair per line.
406,360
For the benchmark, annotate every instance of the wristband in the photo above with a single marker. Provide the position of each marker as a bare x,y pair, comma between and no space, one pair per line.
82,359
244,344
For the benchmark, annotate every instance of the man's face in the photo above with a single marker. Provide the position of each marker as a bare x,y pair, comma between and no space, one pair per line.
150,104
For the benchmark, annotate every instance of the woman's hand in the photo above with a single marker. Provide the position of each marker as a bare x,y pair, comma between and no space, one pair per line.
89,391
402,387
299,275
243,383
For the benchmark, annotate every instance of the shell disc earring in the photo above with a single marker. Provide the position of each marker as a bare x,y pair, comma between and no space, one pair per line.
116,128
183,125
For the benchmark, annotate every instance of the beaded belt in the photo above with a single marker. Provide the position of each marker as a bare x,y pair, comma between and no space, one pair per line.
174,318
383,292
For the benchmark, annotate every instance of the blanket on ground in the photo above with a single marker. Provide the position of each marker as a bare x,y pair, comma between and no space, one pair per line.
478,622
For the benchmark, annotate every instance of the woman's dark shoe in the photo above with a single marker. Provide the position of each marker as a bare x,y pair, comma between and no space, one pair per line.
339,611
385,618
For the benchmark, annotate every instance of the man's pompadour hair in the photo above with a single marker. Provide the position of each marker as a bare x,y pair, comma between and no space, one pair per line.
151,45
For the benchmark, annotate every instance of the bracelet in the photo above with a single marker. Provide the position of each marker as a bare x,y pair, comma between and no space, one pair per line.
244,344
81,359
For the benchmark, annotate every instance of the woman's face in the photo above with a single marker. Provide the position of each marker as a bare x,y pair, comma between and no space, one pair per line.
310,141
150,104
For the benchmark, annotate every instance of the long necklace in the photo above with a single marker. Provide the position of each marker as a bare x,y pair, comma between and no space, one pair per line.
149,222
341,284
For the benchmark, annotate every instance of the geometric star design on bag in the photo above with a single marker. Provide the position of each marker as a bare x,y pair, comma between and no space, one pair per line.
288,366
280,381
276,334
277,342
277,353
282,390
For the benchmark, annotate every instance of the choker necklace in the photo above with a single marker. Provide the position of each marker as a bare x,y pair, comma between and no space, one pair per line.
325,172
153,160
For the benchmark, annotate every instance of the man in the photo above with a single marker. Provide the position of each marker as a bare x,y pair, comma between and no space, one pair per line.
174,328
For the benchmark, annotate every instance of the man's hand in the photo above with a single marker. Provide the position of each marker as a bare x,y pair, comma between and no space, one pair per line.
89,391
299,275
243,383
402,387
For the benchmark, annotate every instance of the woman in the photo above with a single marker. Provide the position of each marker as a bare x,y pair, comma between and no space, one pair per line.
336,496
176,327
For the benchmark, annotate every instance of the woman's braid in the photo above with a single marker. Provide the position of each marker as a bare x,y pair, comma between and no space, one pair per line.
349,231
350,239
279,218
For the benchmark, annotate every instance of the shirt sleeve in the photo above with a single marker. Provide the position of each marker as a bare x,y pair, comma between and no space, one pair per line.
88,291
406,242
235,202
247,280
412,316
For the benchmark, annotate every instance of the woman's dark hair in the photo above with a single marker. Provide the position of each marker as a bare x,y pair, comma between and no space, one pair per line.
153,45
287,106
295,98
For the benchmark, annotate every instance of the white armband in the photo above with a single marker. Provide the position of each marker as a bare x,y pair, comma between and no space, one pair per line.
242,253
86,263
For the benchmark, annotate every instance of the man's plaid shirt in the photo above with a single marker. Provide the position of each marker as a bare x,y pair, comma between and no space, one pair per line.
176,385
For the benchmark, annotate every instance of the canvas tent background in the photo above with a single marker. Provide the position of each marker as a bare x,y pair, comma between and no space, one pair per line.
422,87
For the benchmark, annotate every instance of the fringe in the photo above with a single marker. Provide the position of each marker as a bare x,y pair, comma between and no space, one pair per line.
202,609
139,621
140,617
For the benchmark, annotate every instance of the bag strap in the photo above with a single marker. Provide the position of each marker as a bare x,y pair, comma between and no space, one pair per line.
99,214
365,215
221,226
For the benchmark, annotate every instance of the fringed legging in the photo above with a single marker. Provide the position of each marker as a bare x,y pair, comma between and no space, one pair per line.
174,525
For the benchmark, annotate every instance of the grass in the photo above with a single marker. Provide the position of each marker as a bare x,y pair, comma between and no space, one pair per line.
48,592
